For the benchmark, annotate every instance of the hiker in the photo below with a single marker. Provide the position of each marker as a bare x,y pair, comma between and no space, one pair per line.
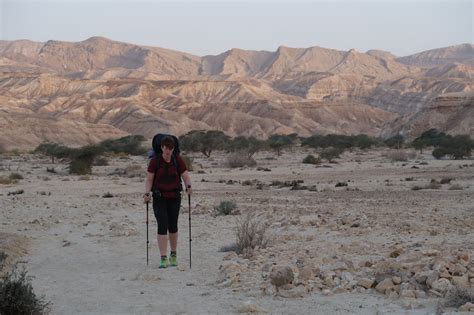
163,183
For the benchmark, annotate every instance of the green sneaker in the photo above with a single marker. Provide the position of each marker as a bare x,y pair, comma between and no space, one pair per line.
164,262
173,261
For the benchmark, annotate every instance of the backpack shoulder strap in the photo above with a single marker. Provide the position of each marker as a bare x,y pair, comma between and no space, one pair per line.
158,162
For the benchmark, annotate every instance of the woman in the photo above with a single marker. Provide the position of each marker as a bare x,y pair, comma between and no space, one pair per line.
164,181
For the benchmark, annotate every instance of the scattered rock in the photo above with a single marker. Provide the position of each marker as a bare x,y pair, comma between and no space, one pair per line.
384,286
250,307
468,307
365,283
281,276
305,274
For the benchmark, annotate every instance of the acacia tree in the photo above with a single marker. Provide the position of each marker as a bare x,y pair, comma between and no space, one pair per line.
53,150
250,145
279,142
204,141
457,147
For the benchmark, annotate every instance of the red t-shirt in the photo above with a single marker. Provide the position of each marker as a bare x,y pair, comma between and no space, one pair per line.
166,178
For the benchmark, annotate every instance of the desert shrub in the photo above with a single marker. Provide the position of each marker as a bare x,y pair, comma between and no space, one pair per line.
225,207
445,180
80,167
101,161
459,297
107,195
15,176
433,185
229,248
16,192
330,154
188,161
311,159
239,160
17,295
397,156
250,233
83,158
455,187
134,170
438,153
4,180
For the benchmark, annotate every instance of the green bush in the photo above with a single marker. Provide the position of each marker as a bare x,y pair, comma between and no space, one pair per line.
438,153
225,207
80,167
311,159
83,158
17,296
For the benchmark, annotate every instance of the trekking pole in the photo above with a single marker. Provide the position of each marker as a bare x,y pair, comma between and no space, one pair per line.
189,202
147,241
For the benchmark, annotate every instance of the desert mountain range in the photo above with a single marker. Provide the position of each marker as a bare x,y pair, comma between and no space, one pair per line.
82,92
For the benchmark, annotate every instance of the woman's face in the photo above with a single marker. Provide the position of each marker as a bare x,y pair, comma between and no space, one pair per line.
166,152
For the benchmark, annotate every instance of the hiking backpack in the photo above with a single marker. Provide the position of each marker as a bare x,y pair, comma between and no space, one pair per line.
156,151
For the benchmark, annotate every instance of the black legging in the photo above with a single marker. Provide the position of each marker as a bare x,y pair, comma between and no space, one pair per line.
166,213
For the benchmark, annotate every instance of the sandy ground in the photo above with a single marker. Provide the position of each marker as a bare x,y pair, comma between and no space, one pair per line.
87,253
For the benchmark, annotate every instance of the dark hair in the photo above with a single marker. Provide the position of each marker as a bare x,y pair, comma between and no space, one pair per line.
167,142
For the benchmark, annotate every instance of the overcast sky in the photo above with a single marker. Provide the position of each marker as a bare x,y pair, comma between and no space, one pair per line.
212,27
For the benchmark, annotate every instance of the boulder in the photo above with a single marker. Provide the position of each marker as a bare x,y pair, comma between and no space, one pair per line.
281,276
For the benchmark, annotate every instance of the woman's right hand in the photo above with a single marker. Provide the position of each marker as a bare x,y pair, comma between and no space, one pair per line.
146,198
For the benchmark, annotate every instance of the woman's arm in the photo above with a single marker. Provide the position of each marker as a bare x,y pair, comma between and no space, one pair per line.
148,186
187,181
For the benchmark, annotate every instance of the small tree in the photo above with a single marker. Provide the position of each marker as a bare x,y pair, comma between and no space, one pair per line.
53,150
363,141
279,142
250,145
395,142
128,144
204,141
458,147
330,154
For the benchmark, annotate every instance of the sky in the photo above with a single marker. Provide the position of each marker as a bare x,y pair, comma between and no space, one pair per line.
211,27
